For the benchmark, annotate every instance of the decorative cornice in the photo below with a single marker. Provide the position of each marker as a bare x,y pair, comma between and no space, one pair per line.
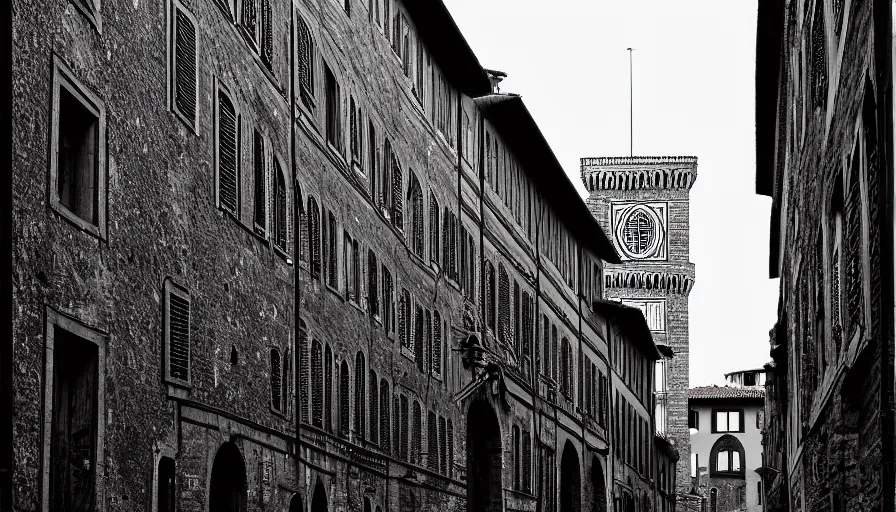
672,282
673,172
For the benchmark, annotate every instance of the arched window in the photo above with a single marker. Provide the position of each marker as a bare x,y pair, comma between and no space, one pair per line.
432,442
374,407
489,301
504,333
344,399
417,434
328,389
397,187
415,204
276,381
566,368
281,209
726,459
433,228
385,199
304,389
313,215
360,396
385,421
317,384
306,64
228,154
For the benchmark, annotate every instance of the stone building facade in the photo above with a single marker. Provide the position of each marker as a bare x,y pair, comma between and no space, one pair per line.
824,129
726,424
303,256
644,202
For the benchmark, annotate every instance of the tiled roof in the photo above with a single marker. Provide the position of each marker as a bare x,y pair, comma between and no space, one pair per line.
707,392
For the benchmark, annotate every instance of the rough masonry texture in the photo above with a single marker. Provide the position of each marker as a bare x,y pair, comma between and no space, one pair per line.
666,275
276,256
824,124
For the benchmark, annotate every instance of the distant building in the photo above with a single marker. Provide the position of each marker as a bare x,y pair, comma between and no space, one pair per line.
824,154
726,442
645,203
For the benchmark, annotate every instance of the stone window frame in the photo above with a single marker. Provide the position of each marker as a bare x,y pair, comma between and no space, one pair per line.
224,89
172,288
53,319
63,77
161,452
174,6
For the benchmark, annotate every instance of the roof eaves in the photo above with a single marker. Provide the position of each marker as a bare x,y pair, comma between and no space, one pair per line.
633,319
769,33
511,118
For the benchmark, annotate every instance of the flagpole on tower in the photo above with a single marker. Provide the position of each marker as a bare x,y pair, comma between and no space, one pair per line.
631,109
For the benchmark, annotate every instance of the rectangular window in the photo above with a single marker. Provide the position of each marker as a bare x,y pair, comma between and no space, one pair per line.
305,54
388,302
727,421
177,335
260,162
348,256
184,64
331,248
334,111
77,157
74,415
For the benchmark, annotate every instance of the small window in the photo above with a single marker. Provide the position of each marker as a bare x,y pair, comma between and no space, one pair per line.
331,250
257,22
749,379
280,231
313,230
306,64
389,313
373,297
177,334
77,159
726,458
261,161
415,203
227,152
693,419
727,421
184,65
165,490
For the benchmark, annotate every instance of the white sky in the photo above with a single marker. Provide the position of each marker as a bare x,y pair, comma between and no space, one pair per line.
694,65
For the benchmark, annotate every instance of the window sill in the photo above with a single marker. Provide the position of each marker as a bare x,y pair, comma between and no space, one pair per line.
191,124
91,229
408,353
334,291
356,305
92,16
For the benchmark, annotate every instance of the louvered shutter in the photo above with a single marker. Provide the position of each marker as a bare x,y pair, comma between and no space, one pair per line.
418,337
416,433
227,153
405,421
397,187
443,454
328,388
276,382
373,385
267,43
185,76
250,17
260,176
344,399
450,443
432,442
527,460
385,423
317,384
397,429
178,338
304,389
437,343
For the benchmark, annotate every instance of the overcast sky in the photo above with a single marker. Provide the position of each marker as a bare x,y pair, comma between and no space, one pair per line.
693,95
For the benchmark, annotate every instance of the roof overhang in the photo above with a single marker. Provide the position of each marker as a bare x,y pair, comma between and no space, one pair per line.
512,120
445,41
769,37
634,325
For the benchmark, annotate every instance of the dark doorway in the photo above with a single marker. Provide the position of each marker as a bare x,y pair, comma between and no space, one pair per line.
295,504
227,491
484,488
319,500
166,492
599,485
570,480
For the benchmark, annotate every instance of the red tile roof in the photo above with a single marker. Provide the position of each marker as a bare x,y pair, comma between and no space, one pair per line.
711,392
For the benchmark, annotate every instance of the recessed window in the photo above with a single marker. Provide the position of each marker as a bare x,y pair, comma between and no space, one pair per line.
306,64
74,394
261,161
77,160
726,458
227,152
415,203
334,110
693,419
184,65
257,21
177,334
280,231
276,381
728,420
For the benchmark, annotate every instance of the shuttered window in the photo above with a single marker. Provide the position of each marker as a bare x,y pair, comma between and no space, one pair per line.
281,210
228,153
405,421
344,400
332,255
388,302
415,203
433,228
328,389
385,423
314,249
527,461
304,371
184,83
504,330
418,336
436,353
373,292
417,434
432,442
397,187
261,185
489,301
443,458
360,396
276,381
306,64
317,384
450,443
177,334
404,319
373,381
334,110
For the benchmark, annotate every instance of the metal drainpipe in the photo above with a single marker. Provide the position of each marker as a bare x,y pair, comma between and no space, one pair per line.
296,267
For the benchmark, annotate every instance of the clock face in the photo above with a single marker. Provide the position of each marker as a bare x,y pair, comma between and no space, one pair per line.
640,230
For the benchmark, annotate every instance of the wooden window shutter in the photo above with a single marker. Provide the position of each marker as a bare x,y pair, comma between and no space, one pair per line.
397,187
417,434
185,76
276,381
328,388
385,423
261,199
437,343
228,161
344,400
418,337
177,333
373,383
443,453
267,42
396,429
317,384
360,396
450,443
250,17
432,442
305,363
405,421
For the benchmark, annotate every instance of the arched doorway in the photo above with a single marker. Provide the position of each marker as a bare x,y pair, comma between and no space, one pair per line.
319,499
599,486
570,480
227,492
295,504
484,487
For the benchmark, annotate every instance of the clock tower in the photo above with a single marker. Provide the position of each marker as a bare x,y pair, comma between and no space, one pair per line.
644,202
